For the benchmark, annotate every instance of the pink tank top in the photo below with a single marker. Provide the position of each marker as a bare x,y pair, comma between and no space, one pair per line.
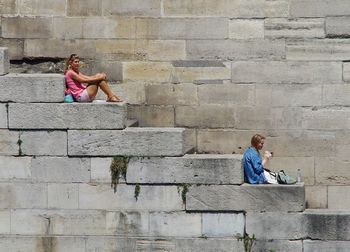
73,87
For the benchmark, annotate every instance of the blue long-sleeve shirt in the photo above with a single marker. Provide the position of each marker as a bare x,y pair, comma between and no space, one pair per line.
253,168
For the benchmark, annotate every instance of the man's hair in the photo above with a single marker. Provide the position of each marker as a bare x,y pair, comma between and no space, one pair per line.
256,139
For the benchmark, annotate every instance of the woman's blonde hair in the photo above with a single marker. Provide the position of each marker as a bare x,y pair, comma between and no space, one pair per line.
69,60
256,139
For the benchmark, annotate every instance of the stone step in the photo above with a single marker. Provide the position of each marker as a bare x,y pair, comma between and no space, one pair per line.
4,61
32,88
130,142
189,169
67,116
256,198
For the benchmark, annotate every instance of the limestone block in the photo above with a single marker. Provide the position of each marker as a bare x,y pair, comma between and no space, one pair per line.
223,224
3,116
319,50
9,142
316,196
29,222
43,143
294,28
60,169
164,50
84,8
109,244
150,71
126,223
201,74
191,169
63,196
157,245
328,224
235,49
26,27
8,7
22,243
108,27
4,60
287,72
337,27
205,116
256,198
182,28
326,118
336,95
278,245
63,244
291,164
172,224
32,88
227,94
116,49
100,170
5,222
130,142
60,30
67,116
246,29
279,225
200,245
240,9
20,195
346,72
15,47
342,146
15,168
330,246
338,197
132,8
152,198
113,69
152,116
59,48
332,171
38,7
300,8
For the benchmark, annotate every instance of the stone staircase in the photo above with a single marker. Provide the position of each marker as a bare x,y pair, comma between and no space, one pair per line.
56,194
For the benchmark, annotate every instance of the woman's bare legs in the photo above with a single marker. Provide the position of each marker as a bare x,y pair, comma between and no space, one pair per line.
93,88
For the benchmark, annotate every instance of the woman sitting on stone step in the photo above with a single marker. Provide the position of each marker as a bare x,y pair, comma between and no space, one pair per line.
254,171
82,87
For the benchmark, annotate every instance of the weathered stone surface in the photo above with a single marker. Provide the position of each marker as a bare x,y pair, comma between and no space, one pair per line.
26,27
268,226
300,8
4,60
15,48
20,195
191,169
332,171
63,244
67,116
152,198
329,246
337,27
60,30
172,224
8,7
43,143
294,28
327,224
15,168
346,72
326,118
316,196
336,94
130,142
155,245
246,29
338,197
9,142
60,169
110,244
150,71
287,72
200,245
223,224
235,49
5,222
3,116
100,170
199,74
29,222
171,94
152,116
164,50
63,196
111,27
182,28
38,7
116,49
32,88
321,50
132,7
257,198
278,245
205,116
84,8
23,243
342,146
241,9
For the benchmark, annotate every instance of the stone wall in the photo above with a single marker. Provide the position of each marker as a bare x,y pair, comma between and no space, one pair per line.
225,69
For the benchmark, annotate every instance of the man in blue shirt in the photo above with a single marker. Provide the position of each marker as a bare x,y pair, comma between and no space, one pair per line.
252,163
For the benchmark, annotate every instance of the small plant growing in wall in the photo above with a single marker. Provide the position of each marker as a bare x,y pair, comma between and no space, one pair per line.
137,191
19,143
247,241
183,188
118,168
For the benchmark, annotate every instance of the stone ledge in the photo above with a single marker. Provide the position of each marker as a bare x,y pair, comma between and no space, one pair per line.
4,61
255,198
67,116
192,169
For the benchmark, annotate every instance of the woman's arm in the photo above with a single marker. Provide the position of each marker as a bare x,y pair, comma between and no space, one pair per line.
87,79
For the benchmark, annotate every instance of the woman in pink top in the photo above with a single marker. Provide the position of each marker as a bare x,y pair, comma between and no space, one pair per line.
84,88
